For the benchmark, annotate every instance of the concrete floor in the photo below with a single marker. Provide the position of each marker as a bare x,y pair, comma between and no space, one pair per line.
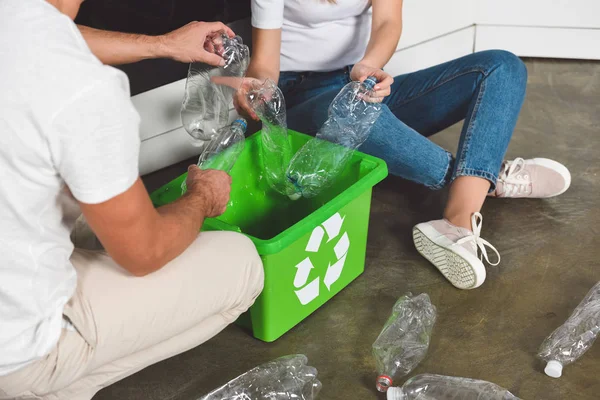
550,258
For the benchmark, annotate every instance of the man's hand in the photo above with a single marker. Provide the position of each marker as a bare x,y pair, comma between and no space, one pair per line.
212,186
361,71
188,43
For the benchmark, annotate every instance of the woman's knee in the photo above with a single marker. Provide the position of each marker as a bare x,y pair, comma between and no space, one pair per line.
507,66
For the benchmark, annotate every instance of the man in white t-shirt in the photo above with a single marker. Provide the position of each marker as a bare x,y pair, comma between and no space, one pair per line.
74,321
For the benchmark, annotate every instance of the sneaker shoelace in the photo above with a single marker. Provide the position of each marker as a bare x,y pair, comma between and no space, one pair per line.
476,223
514,179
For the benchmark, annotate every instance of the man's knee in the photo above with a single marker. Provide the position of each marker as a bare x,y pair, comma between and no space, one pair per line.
239,257
253,266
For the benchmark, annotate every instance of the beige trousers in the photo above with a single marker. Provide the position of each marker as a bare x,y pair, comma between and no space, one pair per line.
123,323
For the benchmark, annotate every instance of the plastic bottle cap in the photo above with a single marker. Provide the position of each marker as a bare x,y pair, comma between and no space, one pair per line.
395,393
242,122
295,196
553,369
370,82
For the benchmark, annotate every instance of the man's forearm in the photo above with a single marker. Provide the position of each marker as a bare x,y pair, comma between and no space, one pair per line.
178,227
115,48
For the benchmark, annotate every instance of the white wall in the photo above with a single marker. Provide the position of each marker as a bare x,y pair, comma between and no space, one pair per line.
541,13
434,31
425,20
540,28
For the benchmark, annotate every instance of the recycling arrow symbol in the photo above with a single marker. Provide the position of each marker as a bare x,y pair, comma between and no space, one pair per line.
332,227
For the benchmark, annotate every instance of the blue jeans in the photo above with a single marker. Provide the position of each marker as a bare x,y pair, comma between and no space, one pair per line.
486,89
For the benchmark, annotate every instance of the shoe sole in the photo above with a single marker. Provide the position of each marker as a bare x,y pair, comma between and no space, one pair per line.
558,167
461,268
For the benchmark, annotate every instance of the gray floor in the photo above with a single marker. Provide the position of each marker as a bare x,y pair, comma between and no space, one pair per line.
550,258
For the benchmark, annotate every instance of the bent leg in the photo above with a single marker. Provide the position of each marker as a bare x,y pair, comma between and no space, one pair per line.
122,324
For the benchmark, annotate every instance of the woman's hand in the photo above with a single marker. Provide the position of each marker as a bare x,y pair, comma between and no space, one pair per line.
361,71
240,98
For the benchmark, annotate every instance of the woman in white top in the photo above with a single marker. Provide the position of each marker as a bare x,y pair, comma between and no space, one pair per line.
312,48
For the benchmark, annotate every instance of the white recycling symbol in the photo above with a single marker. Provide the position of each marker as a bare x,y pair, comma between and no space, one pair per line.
332,228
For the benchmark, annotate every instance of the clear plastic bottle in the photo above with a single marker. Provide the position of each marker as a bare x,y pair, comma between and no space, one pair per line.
572,339
267,101
317,164
224,149
438,387
404,339
286,378
206,105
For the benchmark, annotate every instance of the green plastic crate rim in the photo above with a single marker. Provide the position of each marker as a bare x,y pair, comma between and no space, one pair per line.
377,172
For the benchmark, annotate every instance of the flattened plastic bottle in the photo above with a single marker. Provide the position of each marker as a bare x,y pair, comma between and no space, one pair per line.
267,101
404,339
439,387
206,105
286,378
224,149
321,160
573,338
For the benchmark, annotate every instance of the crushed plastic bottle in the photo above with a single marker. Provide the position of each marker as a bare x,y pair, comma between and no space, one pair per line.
286,378
267,101
318,163
224,149
404,339
206,105
571,340
437,387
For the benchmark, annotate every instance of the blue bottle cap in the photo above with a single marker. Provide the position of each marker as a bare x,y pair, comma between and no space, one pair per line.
242,123
370,82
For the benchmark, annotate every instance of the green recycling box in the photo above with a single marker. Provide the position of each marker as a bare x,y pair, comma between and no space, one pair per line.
311,248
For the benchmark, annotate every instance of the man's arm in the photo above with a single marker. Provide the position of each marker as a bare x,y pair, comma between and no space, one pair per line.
95,145
143,239
185,44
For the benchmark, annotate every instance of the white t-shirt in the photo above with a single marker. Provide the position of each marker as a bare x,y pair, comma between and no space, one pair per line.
316,35
65,120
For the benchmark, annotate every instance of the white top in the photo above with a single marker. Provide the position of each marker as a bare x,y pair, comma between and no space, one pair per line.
316,35
64,119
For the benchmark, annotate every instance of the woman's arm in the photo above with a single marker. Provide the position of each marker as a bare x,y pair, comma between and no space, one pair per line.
385,32
264,64
385,35
266,49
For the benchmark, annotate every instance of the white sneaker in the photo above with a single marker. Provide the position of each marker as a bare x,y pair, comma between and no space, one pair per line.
453,250
535,178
